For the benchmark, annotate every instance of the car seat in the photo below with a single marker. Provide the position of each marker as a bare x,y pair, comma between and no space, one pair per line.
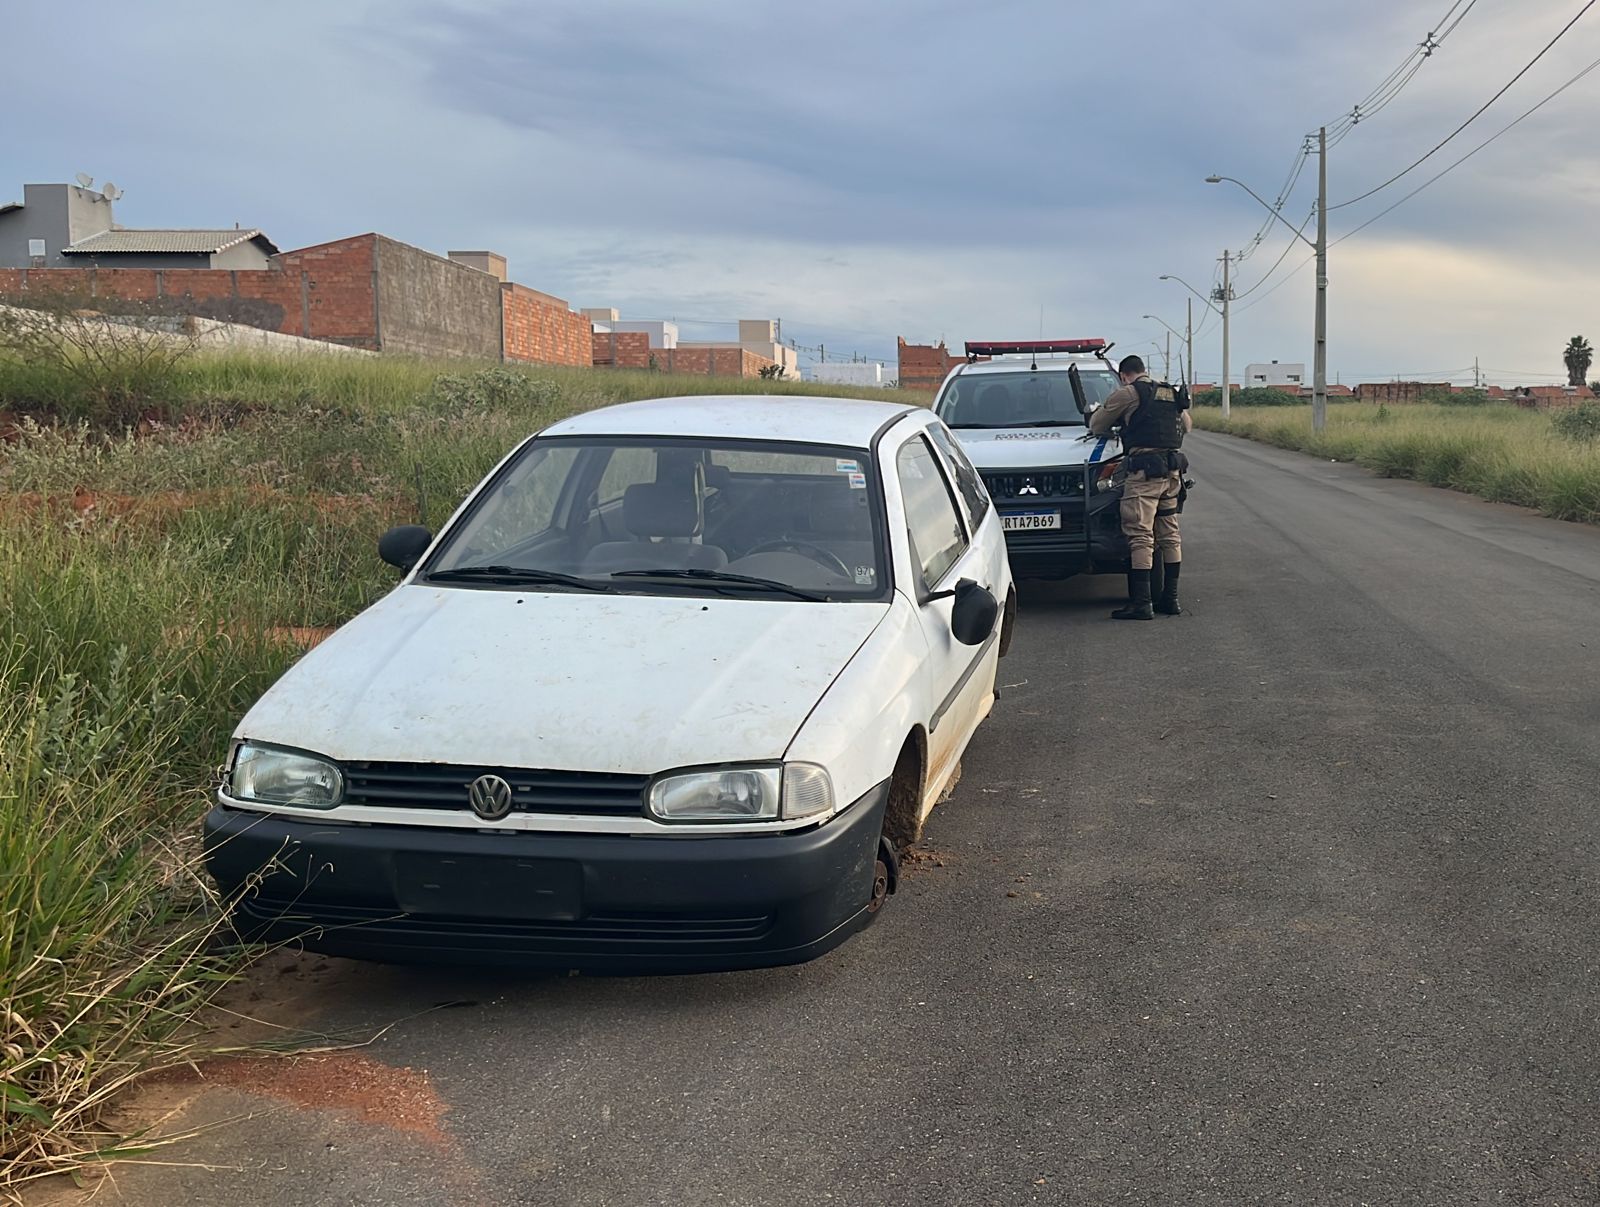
665,520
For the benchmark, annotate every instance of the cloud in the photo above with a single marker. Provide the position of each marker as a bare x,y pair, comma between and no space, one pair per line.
863,171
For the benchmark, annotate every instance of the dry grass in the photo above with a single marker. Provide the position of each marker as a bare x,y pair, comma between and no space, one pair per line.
1497,452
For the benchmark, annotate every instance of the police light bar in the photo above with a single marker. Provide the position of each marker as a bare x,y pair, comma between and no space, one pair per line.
1036,347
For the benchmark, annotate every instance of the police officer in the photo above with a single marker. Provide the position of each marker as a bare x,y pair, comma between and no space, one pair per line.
1153,417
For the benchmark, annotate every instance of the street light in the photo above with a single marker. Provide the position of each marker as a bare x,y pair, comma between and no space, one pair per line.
1227,296
1319,376
1182,339
1190,288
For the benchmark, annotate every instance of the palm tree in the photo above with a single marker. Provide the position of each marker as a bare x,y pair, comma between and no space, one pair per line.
1577,356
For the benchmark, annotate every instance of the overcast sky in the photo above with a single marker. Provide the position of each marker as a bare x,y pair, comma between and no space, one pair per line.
924,168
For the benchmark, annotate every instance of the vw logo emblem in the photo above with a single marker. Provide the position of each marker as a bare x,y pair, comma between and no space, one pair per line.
490,797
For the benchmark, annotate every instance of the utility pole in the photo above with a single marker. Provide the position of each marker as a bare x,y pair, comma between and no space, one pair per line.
1477,380
1166,370
1227,291
1319,380
1188,340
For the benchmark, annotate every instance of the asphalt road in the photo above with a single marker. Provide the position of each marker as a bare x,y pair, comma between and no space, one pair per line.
1289,900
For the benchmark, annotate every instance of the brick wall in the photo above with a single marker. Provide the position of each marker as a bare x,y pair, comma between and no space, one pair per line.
542,329
621,349
323,292
431,306
364,292
1399,391
925,366
631,350
334,295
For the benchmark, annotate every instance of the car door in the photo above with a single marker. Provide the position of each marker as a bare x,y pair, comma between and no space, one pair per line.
942,554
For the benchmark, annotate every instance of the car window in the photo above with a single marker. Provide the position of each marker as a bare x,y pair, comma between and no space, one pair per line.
937,539
970,486
525,505
804,516
625,466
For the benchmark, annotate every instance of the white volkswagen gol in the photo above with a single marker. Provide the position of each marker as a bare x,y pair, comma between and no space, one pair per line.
666,693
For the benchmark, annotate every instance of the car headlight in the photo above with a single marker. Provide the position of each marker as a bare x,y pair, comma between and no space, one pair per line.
284,777
743,794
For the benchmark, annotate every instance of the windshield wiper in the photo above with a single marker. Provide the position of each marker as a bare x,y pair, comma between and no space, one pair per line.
513,576
714,577
1051,423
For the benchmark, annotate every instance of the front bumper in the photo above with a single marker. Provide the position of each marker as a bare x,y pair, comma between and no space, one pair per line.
1089,541
578,902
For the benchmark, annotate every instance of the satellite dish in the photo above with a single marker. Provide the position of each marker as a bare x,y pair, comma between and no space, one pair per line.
85,180
110,191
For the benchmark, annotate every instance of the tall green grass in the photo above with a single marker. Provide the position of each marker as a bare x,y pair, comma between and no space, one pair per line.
122,672
1500,453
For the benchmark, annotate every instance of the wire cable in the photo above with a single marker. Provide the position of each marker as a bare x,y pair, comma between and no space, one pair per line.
1289,247
1481,110
1382,213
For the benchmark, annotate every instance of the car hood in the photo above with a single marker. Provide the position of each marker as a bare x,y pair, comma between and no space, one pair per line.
562,681
1008,448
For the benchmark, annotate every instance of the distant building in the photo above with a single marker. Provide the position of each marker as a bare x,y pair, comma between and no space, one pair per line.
71,226
847,372
1399,391
925,366
758,337
1551,396
661,333
1274,374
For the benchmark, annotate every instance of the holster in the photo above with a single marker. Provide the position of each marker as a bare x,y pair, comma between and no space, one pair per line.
1158,465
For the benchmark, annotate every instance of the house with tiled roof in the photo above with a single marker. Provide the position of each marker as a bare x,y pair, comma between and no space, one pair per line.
73,226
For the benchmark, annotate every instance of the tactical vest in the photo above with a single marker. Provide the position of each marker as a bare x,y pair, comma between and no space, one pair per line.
1157,422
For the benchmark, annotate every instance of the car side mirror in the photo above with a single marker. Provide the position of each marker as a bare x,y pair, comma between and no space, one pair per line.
404,546
973,612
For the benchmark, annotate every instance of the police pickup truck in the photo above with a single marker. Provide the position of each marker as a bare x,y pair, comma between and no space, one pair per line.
1021,417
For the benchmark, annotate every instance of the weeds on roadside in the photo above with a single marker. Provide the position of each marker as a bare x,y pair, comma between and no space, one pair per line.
84,357
1579,424
1498,452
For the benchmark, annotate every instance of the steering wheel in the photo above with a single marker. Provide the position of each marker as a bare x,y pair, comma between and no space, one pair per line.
806,549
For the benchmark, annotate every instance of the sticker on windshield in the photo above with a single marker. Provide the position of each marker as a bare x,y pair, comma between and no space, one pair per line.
865,576
858,481
846,467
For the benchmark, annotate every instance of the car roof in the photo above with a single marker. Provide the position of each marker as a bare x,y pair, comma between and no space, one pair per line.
1021,364
798,417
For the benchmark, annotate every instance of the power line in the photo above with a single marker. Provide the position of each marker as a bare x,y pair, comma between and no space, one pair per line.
1575,79
1289,247
1379,98
1481,110
1590,69
1395,82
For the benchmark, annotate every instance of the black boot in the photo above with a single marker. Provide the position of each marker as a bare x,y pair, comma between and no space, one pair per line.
1168,605
1138,598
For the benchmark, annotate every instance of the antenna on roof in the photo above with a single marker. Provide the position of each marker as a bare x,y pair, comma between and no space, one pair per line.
110,191
85,180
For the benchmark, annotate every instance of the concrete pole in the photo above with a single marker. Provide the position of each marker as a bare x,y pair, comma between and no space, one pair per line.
1188,340
1319,379
1166,372
1227,290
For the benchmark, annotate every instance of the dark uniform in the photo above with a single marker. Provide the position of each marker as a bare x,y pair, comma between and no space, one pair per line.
1153,418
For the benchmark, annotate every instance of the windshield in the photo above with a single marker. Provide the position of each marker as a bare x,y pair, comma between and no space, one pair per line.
744,518
1022,399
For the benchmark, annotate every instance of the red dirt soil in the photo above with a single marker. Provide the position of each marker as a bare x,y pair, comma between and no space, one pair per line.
402,1099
